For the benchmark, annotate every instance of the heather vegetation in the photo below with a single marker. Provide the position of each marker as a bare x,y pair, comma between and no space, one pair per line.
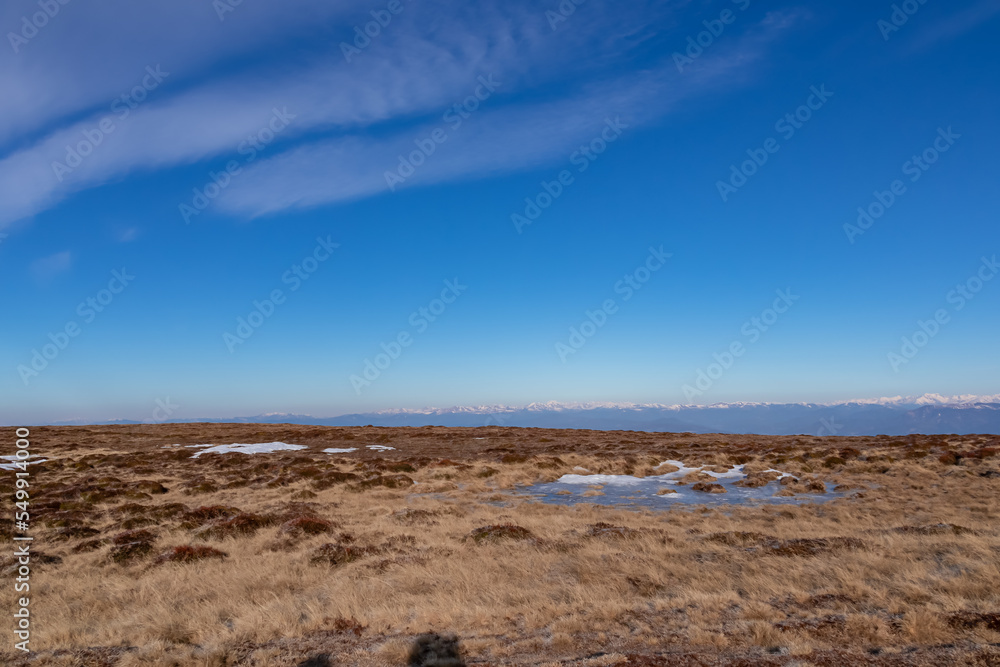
146,556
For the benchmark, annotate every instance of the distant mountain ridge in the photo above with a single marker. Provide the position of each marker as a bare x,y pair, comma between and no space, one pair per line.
929,414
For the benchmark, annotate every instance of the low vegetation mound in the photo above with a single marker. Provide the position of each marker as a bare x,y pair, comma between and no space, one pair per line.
500,532
706,487
766,545
387,481
244,524
601,529
410,516
132,545
189,554
306,525
936,529
339,553
207,514
968,620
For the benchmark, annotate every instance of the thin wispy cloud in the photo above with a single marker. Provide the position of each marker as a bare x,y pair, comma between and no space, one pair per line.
957,24
403,81
47,268
509,137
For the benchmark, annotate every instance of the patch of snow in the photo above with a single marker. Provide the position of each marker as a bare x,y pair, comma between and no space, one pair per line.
14,460
334,450
254,448
613,480
734,473
380,448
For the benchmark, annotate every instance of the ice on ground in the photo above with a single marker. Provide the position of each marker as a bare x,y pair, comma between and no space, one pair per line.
334,450
735,474
13,465
254,448
608,480
660,491
380,448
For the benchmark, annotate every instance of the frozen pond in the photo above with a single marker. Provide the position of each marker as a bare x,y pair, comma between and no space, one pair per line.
661,491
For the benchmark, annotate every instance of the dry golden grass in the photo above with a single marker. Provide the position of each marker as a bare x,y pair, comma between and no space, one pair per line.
913,561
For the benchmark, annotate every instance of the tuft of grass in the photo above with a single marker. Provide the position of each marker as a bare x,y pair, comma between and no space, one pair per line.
244,524
132,545
306,525
189,554
500,532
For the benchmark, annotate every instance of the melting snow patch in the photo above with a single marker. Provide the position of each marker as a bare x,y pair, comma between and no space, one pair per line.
380,448
734,473
334,450
667,489
610,480
13,465
255,448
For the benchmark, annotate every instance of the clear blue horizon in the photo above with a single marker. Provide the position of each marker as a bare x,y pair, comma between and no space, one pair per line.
253,208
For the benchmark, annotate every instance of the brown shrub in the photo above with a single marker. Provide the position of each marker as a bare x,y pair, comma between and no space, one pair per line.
810,546
739,539
950,458
601,529
243,524
936,529
149,486
339,554
969,620
499,532
756,480
306,525
411,516
765,545
189,554
130,536
982,453
132,545
331,478
88,545
815,486
165,511
75,532
345,625
818,624
706,487
206,514
11,564
388,481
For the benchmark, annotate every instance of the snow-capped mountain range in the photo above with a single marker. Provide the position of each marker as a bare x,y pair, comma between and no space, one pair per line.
556,406
898,415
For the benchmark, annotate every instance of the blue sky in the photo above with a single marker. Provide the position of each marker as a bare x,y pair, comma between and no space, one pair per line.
159,102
